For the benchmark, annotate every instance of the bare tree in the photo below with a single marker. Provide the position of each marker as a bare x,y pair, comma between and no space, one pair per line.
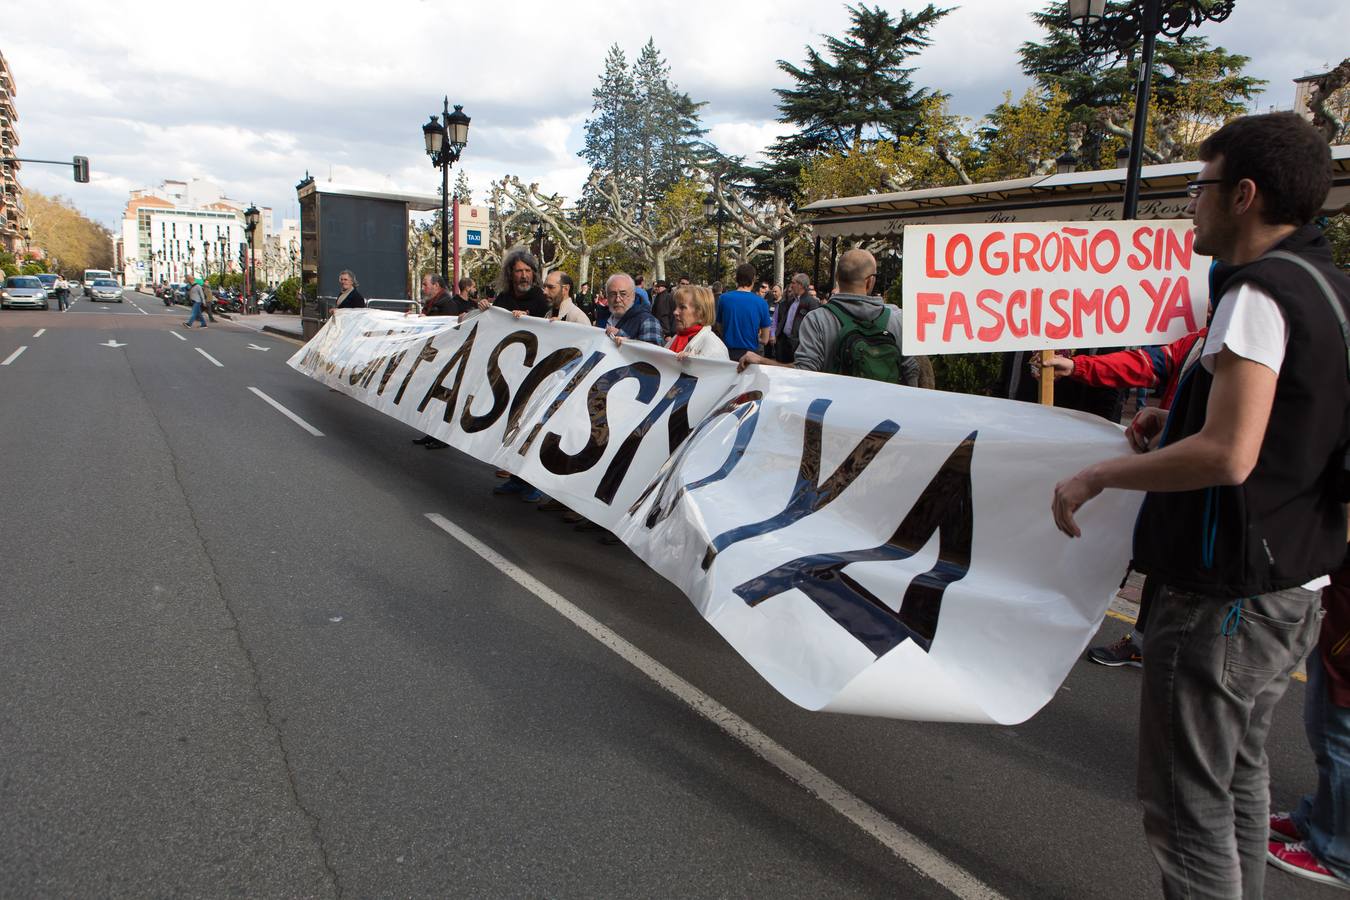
571,233
771,221
1330,117
656,236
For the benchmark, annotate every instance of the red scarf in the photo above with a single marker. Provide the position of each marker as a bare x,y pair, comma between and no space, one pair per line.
682,338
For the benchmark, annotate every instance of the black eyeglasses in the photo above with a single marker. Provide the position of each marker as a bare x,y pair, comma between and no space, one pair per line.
1193,187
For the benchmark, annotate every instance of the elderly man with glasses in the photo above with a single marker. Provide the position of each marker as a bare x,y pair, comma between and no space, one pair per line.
627,319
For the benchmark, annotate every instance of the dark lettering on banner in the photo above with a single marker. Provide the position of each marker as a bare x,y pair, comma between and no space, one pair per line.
808,494
560,399
558,461
438,391
564,360
394,362
945,506
745,408
501,391
677,427
426,354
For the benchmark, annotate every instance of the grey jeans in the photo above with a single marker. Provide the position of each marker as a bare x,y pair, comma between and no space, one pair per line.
1213,671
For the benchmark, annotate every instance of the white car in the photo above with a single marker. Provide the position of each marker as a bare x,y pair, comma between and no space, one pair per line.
106,290
23,291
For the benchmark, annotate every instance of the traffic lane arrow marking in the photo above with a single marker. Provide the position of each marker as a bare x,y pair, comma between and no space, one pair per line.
256,347
112,343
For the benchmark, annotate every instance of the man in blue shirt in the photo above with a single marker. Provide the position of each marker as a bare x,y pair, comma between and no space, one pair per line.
640,295
743,315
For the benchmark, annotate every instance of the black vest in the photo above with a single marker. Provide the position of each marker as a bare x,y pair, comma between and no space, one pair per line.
1283,526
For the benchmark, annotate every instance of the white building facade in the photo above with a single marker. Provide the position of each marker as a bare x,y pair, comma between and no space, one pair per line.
183,230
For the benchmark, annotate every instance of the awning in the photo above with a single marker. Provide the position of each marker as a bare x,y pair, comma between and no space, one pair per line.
1073,196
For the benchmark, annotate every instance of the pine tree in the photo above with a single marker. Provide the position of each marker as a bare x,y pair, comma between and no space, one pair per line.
1195,87
462,192
610,129
859,89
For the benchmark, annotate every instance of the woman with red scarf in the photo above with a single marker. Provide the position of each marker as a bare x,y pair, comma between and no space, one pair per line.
694,309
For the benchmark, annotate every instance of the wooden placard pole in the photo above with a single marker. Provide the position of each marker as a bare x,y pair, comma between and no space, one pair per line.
1047,379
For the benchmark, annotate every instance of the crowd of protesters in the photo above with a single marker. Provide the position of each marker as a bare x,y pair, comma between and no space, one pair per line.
1248,448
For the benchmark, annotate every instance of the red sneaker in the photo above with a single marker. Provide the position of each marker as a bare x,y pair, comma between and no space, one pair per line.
1282,828
1297,859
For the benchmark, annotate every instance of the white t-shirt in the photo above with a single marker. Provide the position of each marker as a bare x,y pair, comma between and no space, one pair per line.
1251,324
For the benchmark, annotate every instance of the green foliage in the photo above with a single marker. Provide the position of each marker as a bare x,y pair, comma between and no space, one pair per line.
288,294
233,281
967,373
1024,138
860,88
33,267
1194,87
8,264
1337,230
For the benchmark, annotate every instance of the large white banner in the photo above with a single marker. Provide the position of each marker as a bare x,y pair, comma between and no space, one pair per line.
1040,285
868,548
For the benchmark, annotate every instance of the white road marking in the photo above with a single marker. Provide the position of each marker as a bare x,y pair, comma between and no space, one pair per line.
215,361
904,845
256,347
287,413
112,343
40,332
13,356
177,335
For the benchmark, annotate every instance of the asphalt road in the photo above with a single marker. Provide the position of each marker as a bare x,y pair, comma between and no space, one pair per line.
237,658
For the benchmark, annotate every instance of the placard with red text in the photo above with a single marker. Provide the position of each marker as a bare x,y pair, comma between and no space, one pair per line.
1051,285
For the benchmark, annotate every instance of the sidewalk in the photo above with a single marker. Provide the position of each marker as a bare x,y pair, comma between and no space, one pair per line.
272,323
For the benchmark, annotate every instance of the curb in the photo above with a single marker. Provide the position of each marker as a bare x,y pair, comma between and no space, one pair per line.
281,332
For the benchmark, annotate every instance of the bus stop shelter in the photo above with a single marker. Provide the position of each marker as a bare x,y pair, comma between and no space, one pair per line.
344,227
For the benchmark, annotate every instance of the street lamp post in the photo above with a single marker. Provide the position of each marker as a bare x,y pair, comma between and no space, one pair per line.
445,141
714,213
1118,30
251,217
539,236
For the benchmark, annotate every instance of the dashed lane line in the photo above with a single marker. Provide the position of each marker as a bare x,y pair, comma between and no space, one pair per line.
177,335
217,363
287,413
40,332
13,356
900,842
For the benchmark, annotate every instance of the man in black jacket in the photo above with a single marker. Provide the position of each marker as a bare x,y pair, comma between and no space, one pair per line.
520,291
436,301
1243,518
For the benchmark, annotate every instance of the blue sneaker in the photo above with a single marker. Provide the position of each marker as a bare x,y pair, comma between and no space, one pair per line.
533,495
510,486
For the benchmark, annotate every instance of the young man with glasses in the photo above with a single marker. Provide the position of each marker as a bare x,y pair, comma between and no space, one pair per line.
1243,518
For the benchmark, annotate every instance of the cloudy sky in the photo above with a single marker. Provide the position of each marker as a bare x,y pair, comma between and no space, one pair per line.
254,94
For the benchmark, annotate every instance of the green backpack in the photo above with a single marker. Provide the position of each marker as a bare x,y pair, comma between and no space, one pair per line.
866,349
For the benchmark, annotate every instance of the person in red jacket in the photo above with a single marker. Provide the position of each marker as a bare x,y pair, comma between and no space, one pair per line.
1144,367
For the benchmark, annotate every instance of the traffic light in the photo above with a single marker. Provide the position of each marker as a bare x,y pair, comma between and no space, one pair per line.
81,167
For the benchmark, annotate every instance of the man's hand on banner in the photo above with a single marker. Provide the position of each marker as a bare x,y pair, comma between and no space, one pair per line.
1070,494
1145,428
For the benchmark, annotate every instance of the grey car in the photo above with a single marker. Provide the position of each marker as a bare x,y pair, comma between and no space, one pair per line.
106,290
23,291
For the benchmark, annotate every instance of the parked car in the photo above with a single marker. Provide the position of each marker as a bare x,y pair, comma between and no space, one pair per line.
23,291
106,290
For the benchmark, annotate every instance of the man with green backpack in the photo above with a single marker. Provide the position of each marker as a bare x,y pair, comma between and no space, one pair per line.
855,333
